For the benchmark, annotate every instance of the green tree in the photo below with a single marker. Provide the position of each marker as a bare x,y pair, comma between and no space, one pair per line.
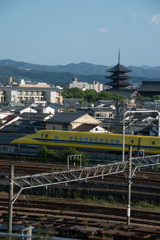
73,151
48,154
91,96
156,97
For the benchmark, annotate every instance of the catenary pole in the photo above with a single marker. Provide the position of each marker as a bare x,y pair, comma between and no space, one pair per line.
10,203
129,186
123,150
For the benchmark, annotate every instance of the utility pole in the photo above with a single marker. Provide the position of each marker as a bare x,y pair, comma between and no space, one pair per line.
10,203
129,186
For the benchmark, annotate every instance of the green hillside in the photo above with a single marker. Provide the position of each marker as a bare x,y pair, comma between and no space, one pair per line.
83,68
55,76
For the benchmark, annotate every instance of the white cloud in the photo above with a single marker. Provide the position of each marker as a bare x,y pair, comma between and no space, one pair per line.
102,30
155,19
133,15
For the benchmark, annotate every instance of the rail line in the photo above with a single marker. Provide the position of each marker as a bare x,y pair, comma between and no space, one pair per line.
52,208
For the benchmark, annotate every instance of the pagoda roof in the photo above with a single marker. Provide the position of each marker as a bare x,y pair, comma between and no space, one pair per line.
118,84
119,68
119,77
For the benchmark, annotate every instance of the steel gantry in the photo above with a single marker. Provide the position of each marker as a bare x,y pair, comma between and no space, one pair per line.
83,173
79,174
58,177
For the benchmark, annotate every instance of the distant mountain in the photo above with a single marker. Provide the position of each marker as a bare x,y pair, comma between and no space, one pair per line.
55,76
148,67
42,76
84,68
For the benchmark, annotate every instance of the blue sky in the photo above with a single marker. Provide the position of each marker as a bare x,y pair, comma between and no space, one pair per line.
56,32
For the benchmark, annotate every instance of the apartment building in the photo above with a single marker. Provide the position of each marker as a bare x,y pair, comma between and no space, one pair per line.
32,93
82,85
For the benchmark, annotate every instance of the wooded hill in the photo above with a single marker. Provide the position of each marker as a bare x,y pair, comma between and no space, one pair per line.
84,68
55,76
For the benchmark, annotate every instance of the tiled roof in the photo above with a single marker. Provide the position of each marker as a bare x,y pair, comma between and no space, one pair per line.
39,108
18,109
124,92
101,109
34,115
7,119
58,105
85,127
21,129
150,86
71,101
65,117
119,68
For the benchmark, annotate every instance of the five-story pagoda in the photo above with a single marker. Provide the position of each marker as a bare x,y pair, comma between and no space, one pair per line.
119,77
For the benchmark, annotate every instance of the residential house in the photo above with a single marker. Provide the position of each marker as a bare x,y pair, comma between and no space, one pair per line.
69,121
73,102
43,109
19,129
105,103
90,128
8,120
21,110
36,116
98,112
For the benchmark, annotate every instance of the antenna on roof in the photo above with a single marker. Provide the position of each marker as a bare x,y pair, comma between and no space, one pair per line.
119,57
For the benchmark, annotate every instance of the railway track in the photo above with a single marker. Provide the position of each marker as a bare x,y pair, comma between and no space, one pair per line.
52,208
65,216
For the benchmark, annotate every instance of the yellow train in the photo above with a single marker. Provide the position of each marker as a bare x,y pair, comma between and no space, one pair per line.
89,141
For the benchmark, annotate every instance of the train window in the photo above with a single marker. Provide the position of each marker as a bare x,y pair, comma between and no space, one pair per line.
56,137
96,140
132,141
101,140
106,141
86,139
76,138
71,138
42,135
112,141
117,141
91,139
80,139
46,135
153,142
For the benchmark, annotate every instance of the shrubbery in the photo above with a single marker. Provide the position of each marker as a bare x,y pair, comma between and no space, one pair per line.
50,155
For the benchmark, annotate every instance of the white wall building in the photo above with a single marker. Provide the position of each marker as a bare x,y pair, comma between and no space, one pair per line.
30,94
82,85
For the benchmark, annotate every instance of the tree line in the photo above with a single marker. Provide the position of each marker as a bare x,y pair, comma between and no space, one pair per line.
91,96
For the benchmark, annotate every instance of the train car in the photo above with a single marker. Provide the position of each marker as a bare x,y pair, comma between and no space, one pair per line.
80,140
88,141
150,144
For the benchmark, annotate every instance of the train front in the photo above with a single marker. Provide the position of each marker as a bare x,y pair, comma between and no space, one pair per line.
26,141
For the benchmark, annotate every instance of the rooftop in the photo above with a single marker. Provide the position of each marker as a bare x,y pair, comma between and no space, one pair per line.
119,68
124,92
85,127
150,86
65,117
17,88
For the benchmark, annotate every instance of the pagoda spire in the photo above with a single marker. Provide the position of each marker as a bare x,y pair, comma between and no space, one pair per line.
118,76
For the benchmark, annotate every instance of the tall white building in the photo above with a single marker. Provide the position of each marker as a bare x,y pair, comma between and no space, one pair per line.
82,85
